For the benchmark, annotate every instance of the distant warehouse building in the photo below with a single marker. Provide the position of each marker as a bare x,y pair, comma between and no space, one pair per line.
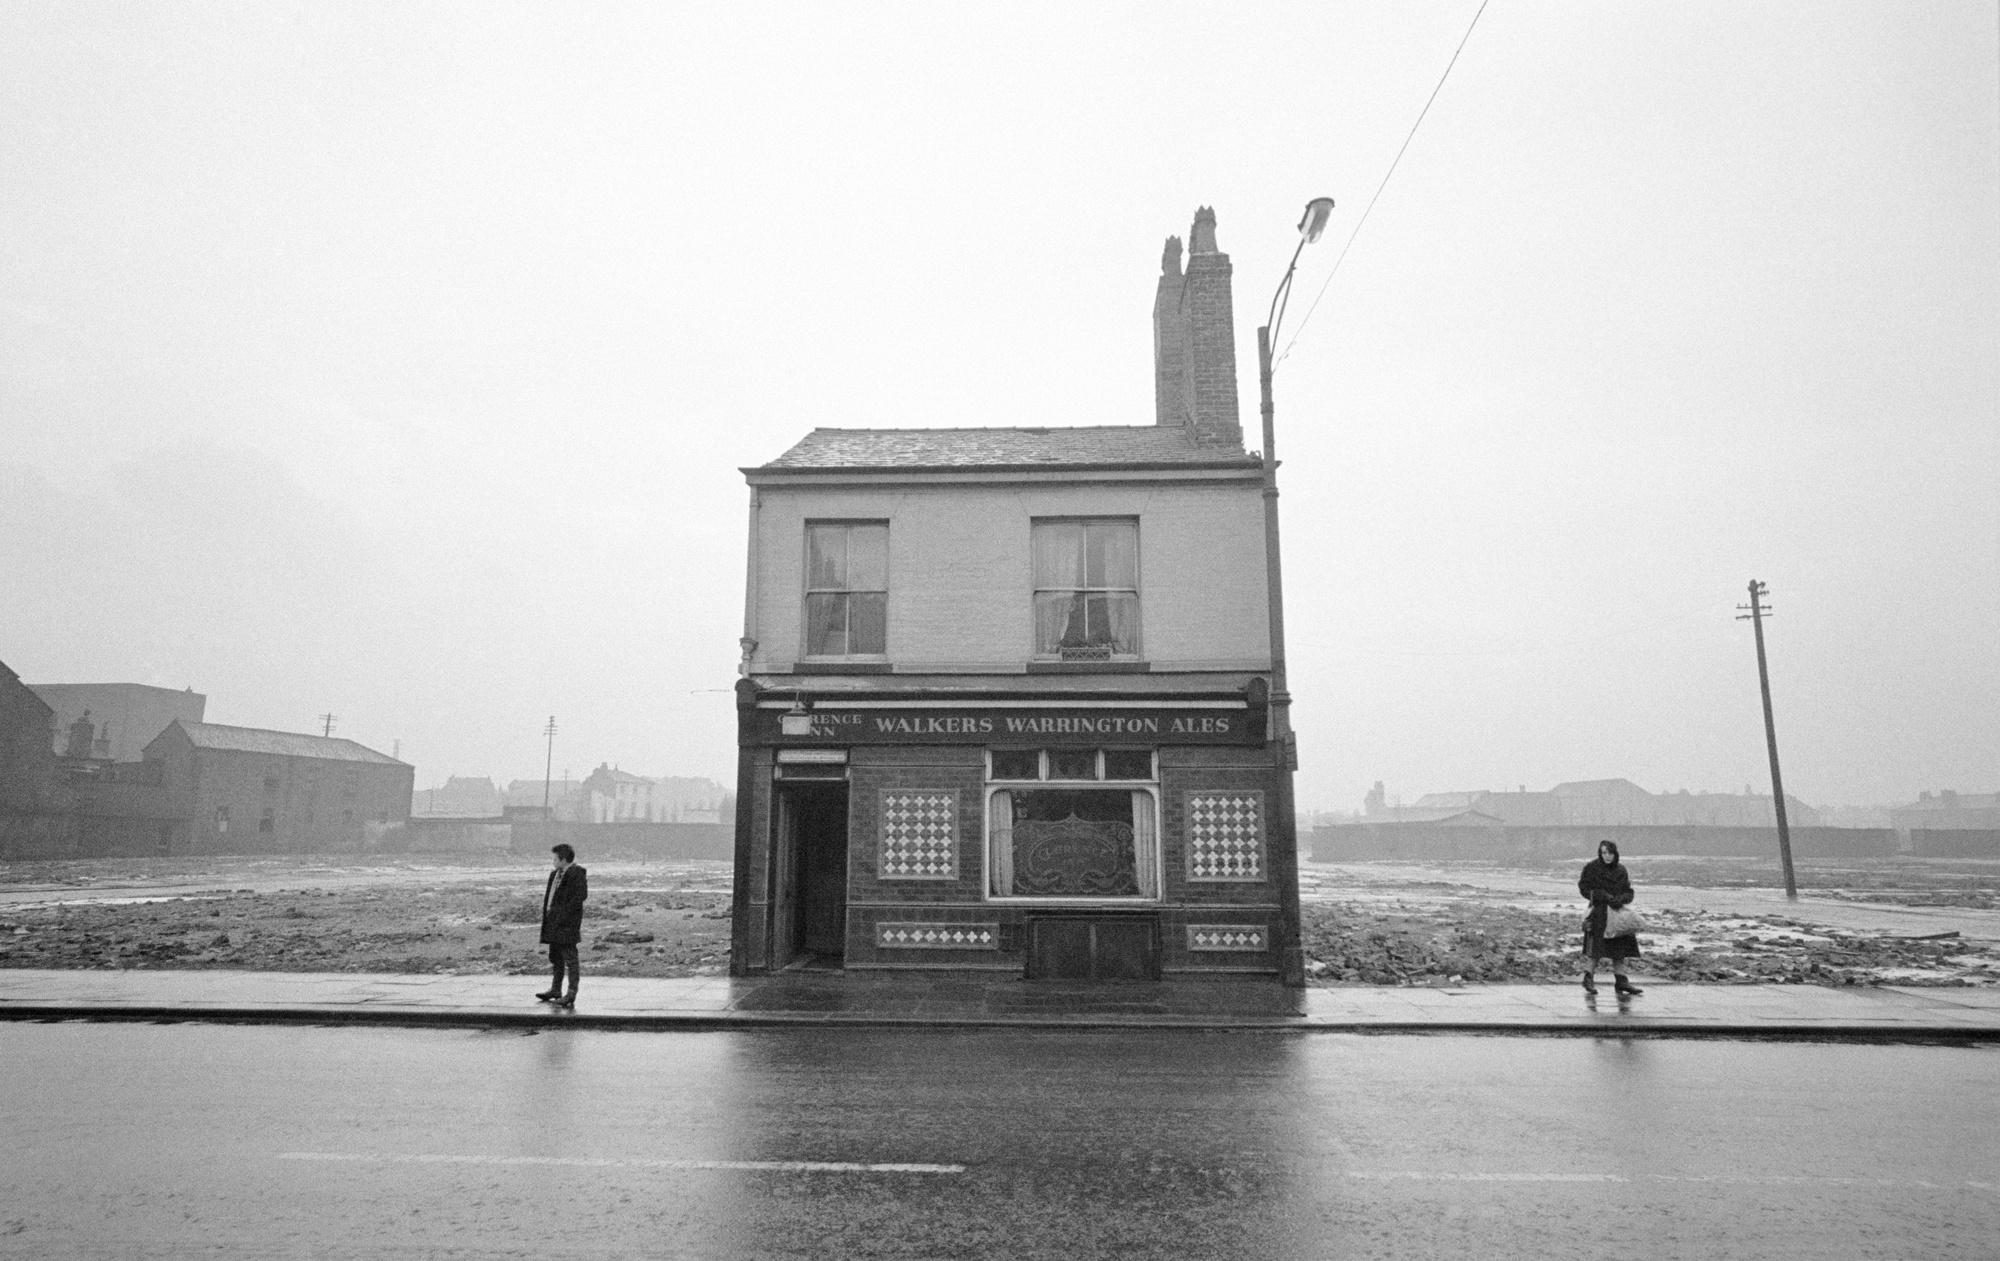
243,789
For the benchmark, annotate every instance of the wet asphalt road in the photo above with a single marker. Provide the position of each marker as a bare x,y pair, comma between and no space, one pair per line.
192,1140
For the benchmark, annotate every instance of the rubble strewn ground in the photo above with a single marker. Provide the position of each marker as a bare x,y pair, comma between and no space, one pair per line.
1487,945
1366,923
355,915
1389,923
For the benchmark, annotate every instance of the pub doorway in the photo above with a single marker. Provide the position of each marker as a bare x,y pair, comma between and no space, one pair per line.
811,923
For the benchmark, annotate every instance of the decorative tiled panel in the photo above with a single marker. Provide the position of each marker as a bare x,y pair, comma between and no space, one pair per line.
937,936
1225,836
919,835
1227,937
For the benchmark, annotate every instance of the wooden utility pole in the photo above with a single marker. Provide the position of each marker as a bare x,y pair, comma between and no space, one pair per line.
548,765
326,721
1755,616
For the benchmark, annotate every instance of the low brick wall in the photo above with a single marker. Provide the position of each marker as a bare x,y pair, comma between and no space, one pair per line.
1955,842
629,840
442,836
532,836
25,836
1535,846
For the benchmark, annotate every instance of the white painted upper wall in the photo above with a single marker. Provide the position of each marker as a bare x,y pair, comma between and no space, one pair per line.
960,569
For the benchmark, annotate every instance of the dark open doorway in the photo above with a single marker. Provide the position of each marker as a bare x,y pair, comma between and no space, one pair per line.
811,923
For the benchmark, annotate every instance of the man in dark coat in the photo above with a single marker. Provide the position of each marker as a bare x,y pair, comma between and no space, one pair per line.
562,923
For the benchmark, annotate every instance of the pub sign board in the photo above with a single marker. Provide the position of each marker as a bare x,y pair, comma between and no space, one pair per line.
833,723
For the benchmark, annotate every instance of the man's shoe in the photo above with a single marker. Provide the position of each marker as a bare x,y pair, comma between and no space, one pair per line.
548,996
567,1000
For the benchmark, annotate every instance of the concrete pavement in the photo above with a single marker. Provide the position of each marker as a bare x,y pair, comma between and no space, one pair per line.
1885,1013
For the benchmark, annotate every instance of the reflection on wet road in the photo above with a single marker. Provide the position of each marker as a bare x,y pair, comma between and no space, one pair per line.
130,1140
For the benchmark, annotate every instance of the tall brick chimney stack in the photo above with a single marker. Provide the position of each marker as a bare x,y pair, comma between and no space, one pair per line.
1169,340
1194,340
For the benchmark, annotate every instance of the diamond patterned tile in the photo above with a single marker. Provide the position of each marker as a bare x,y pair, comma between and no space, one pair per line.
1233,937
892,936
1225,836
919,835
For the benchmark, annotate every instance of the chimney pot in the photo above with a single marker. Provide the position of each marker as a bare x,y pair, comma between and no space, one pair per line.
1201,237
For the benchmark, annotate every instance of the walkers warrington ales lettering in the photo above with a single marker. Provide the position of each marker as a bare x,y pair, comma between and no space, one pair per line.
832,724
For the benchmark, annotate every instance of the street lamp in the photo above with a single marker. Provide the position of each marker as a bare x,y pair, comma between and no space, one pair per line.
1285,832
798,720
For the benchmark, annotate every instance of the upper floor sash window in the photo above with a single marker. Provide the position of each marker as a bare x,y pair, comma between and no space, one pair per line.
1086,589
847,588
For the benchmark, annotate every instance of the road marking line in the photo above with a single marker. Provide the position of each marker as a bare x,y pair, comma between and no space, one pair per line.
607,1162
1420,1175
1744,1180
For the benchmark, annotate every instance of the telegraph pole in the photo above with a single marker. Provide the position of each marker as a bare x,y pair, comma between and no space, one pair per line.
1755,615
326,721
550,732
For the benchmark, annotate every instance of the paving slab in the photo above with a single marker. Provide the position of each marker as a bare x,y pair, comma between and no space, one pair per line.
1886,1013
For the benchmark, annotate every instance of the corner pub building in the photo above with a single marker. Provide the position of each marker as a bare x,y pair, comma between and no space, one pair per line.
1004,693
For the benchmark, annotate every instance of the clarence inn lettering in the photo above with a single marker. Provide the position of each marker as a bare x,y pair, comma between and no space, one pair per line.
999,725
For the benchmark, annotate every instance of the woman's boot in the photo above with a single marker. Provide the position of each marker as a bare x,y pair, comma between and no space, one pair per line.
1589,983
1624,986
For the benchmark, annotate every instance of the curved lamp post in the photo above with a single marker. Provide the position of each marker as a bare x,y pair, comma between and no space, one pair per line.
1285,833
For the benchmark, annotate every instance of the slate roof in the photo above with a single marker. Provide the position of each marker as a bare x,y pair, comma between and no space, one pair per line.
1016,447
211,735
1226,684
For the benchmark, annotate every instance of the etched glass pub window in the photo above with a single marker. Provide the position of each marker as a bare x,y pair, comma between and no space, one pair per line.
1072,824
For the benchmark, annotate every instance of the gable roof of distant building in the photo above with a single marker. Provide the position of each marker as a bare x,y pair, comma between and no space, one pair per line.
1018,447
1454,801
1436,814
1598,785
7,675
616,776
211,735
123,687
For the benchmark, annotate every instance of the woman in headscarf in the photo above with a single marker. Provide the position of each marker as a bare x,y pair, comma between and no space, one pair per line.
1607,884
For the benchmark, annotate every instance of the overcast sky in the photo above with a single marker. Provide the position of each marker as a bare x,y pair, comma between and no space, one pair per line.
398,361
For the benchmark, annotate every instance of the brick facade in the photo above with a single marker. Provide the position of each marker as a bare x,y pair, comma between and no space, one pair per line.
874,900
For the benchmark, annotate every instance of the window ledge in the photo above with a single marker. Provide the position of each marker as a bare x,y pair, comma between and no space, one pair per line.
842,667
1090,667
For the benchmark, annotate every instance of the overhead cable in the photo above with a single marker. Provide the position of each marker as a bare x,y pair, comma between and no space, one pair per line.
1307,318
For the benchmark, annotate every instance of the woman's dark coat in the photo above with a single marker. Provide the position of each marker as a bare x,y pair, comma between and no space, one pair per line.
1606,885
562,906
